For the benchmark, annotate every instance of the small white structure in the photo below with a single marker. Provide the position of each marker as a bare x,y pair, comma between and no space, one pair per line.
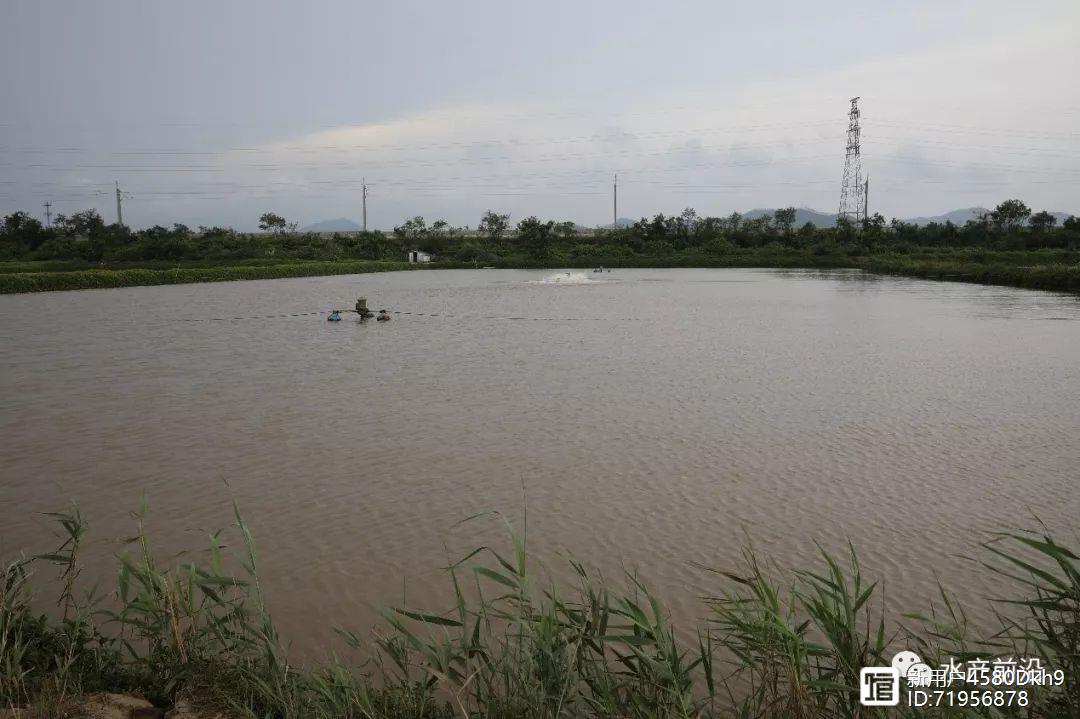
418,256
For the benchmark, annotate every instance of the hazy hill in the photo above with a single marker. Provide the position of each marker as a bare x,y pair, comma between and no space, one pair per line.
623,222
959,217
802,216
822,219
340,224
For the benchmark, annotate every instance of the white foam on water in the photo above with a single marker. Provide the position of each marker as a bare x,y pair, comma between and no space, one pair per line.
565,278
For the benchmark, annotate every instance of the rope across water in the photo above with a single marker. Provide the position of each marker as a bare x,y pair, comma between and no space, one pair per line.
418,314
257,317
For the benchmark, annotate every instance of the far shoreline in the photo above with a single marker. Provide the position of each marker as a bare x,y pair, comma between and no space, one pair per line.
1022,269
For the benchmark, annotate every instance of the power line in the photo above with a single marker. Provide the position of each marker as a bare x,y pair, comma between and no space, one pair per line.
449,161
455,144
505,118
577,177
559,182
1004,131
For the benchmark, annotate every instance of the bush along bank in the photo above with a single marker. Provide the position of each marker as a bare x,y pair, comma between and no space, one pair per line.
1054,277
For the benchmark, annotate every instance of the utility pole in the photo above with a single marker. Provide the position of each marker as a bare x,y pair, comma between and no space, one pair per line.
48,214
615,203
852,204
363,182
119,210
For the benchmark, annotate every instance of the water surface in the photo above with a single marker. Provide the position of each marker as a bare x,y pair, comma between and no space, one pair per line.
648,420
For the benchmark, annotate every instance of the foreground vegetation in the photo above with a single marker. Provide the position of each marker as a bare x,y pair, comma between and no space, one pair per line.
513,645
1007,246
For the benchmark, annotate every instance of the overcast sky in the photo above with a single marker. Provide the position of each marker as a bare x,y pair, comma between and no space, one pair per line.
213,112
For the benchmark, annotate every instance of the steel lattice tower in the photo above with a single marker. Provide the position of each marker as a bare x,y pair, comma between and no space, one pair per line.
852,200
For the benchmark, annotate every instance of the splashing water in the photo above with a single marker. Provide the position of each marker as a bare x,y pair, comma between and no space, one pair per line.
566,278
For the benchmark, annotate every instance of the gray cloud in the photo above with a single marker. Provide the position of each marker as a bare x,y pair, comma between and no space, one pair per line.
214,112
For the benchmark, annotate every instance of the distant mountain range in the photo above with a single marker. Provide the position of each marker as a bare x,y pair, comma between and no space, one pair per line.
340,224
622,222
959,217
824,219
802,216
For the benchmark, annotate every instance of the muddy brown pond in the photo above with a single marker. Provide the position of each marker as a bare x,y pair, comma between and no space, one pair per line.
645,420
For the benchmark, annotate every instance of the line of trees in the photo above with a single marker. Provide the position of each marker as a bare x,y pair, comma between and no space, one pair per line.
84,236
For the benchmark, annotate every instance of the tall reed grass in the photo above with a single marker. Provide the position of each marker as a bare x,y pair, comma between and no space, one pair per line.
514,645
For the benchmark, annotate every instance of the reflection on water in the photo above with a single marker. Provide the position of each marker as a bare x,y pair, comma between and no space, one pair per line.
986,301
695,406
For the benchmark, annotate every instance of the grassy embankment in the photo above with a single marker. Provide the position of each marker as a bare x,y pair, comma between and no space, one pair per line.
1031,270
48,279
1057,270
514,646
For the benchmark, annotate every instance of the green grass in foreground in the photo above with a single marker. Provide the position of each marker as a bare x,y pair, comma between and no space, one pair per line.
513,645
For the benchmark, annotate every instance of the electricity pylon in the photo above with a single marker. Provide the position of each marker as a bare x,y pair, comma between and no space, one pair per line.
852,192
